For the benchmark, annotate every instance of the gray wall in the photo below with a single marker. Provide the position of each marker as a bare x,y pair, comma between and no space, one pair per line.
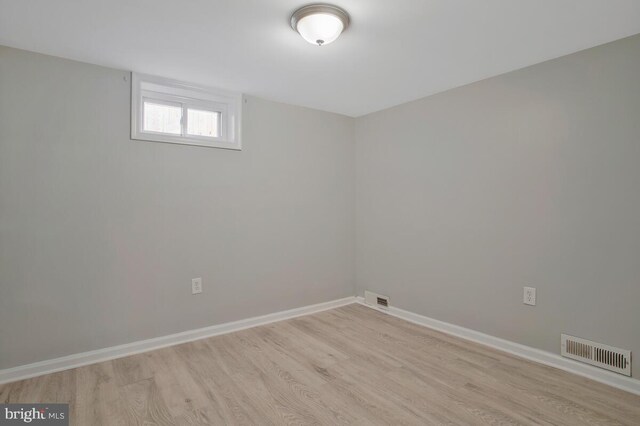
531,178
100,235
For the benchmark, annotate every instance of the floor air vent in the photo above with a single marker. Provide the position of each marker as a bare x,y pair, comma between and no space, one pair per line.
375,299
603,356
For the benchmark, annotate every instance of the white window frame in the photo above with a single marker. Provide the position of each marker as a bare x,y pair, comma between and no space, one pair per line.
188,96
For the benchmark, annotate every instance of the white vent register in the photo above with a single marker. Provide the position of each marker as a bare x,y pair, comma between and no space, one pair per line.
375,299
597,354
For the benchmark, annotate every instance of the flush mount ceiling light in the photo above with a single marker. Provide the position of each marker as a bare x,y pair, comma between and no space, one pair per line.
319,24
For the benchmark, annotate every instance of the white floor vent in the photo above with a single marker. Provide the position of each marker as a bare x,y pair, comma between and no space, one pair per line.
603,356
375,299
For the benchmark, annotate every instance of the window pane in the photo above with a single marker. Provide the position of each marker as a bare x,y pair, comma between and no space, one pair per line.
162,118
203,123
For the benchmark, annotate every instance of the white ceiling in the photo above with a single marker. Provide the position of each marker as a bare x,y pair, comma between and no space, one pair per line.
394,51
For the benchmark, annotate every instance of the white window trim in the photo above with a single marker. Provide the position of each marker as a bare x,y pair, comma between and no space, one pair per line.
162,90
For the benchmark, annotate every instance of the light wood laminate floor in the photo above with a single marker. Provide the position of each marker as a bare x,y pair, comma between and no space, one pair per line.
351,365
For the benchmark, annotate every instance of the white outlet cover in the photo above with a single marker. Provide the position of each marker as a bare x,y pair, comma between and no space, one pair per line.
196,286
529,296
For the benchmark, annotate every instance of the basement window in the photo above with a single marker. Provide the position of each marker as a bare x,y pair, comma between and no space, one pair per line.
171,111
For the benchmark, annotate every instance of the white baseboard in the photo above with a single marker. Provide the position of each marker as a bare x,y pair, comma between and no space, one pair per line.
106,354
91,357
543,357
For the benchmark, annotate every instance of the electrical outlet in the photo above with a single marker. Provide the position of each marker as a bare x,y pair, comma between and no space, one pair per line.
196,285
529,297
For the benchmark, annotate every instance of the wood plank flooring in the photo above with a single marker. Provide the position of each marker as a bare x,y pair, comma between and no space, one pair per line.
350,365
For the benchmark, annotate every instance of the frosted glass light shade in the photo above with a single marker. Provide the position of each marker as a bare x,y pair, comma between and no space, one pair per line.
320,28
320,24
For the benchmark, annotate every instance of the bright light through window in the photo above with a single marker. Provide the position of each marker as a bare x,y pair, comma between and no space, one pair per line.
203,123
172,111
162,118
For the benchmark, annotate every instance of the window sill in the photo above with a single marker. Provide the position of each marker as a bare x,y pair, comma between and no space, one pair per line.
181,140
